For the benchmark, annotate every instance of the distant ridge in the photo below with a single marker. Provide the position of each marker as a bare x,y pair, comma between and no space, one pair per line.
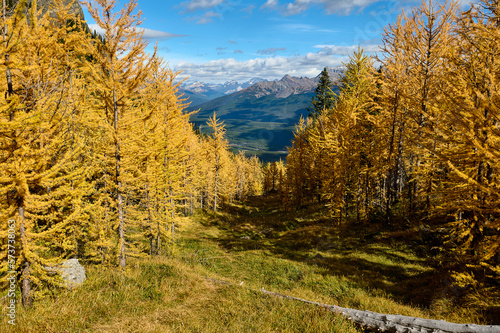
199,92
283,88
261,118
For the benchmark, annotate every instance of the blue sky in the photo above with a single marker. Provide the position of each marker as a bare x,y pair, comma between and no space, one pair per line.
222,40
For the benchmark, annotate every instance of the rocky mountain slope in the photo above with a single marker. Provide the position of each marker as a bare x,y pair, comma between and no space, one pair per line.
283,88
45,5
261,118
200,92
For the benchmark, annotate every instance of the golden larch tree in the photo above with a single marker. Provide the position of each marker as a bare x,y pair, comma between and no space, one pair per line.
118,68
40,140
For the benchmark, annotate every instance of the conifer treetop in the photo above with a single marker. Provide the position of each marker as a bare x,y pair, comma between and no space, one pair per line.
324,97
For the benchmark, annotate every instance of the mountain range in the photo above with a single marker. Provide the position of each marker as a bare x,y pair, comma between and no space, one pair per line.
200,92
259,115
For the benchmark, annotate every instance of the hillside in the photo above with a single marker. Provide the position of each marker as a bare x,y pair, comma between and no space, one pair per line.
44,5
256,246
261,118
259,125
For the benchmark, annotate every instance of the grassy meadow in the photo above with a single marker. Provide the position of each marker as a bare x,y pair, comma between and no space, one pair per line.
254,246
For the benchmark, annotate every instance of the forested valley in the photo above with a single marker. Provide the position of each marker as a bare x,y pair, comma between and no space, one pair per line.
388,201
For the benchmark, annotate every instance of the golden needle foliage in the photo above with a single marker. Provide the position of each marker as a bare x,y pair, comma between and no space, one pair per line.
98,160
417,141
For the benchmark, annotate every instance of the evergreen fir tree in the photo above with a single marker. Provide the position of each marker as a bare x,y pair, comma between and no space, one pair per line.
324,96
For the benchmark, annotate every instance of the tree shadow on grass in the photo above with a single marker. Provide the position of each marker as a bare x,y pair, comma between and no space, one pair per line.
349,250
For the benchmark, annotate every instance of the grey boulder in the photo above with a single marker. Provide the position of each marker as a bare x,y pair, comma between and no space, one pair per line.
71,271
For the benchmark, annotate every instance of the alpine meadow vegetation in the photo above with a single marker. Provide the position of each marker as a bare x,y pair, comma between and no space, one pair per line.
388,200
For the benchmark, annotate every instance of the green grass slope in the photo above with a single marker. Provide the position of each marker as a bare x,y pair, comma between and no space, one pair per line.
254,246
304,254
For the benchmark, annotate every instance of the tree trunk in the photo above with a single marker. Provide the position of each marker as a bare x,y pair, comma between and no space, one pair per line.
216,180
378,322
172,235
358,200
184,181
119,198
27,297
150,222
171,199
190,203
121,227
8,74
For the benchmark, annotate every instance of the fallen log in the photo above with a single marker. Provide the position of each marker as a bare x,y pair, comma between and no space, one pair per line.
379,322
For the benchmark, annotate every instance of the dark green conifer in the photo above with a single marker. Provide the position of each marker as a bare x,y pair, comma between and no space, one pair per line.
324,95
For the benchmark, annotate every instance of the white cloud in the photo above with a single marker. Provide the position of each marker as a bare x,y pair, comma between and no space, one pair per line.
270,68
156,34
205,18
345,7
96,28
194,5
148,33
346,50
342,7
465,4
300,27
297,7
270,4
